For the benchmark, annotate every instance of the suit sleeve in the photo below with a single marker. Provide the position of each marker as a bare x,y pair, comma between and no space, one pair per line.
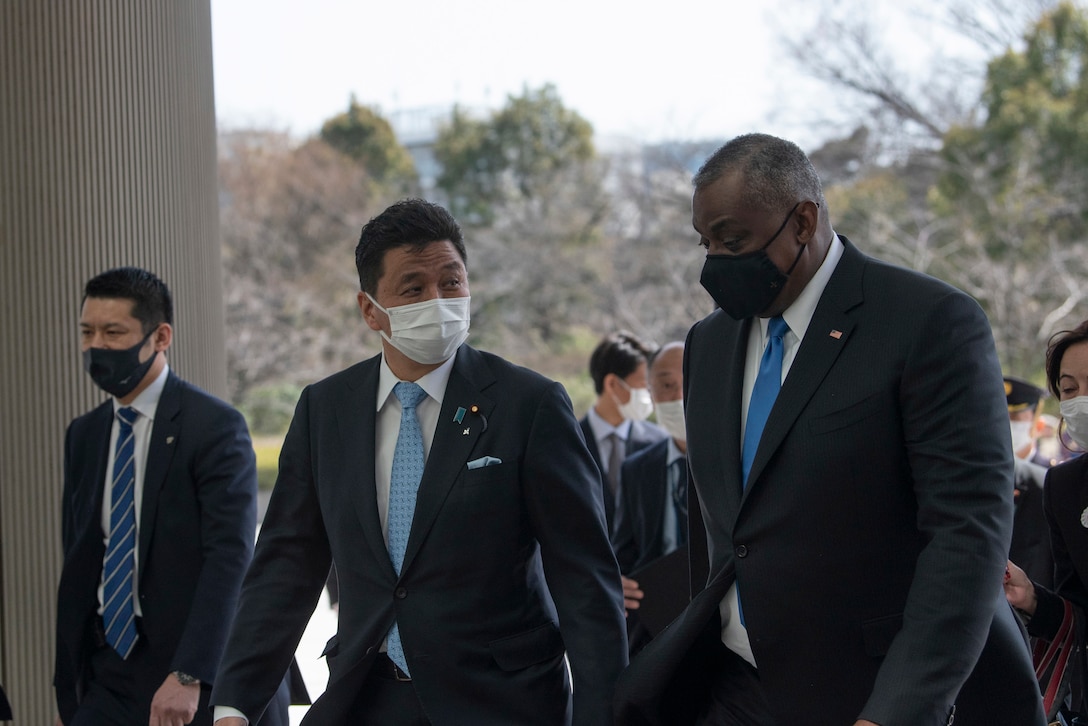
224,473
564,498
281,589
64,676
955,430
624,543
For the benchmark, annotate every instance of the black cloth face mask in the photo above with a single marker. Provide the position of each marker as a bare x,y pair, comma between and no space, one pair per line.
118,372
746,285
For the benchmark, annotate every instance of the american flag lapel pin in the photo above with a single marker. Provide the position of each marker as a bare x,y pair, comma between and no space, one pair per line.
836,334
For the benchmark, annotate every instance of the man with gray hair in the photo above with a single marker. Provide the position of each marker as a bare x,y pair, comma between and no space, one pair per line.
848,442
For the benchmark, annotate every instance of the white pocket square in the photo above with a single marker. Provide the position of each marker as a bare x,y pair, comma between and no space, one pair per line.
484,461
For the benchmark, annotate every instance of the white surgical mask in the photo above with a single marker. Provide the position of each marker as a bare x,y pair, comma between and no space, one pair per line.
1021,434
1075,413
428,332
670,414
639,406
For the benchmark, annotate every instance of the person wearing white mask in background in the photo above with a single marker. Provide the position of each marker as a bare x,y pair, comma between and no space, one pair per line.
615,426
653,521
1030,547
1058,616
455,494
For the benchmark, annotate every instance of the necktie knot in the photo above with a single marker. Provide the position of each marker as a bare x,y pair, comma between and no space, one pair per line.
777,328
128,415
409,394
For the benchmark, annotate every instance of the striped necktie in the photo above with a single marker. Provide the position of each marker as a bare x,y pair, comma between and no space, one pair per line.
118,571
403,484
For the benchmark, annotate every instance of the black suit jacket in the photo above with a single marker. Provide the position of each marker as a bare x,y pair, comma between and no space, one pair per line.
1030,548
483,640
641,435
870,542
639,536
1065,499
196,530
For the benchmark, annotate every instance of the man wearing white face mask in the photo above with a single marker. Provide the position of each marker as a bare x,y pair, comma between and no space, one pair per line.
616,426
654,519
443,482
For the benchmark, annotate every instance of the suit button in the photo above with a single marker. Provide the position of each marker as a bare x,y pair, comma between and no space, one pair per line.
400,593
742,551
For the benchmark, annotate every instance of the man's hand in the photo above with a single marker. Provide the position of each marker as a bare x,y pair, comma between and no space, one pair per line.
631,593
863,722
1019,590
174,704
231,721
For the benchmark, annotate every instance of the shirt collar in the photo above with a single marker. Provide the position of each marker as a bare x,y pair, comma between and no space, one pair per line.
433,383
601,428
799,314
148,400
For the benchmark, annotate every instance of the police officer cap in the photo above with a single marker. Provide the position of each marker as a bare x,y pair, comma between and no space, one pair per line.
1021,395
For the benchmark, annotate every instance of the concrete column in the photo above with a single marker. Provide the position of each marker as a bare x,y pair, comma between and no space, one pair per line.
107,158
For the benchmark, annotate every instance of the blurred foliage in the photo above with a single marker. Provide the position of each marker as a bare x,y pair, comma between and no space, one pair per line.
365,136
267,449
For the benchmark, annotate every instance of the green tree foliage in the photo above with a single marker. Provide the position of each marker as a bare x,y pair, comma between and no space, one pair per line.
1013,186
516,155
362,134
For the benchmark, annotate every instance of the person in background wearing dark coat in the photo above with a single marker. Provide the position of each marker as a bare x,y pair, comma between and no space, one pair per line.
158,520
615,426
1030,548
653,520
1057,615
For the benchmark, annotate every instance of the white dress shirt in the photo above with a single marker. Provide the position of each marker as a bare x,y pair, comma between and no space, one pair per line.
797,317
146,404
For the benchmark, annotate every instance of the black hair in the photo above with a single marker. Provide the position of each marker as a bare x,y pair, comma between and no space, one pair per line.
151,301
1058,344
619,353
413,223
777,174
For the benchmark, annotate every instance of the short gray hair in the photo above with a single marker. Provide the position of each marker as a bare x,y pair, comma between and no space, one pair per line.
776,173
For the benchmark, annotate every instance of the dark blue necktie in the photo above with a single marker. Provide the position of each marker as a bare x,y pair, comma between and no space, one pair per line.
764,392
118,570
403,484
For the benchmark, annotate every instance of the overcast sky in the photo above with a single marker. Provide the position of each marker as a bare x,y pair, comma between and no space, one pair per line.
668,69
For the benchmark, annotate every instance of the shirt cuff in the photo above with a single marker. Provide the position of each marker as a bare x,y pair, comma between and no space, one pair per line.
227,712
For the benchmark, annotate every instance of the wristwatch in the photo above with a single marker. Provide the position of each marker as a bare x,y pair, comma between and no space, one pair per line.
185,679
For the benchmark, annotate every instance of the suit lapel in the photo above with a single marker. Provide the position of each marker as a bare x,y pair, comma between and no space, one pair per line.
734,339
356,413
827,335
160,452
453,442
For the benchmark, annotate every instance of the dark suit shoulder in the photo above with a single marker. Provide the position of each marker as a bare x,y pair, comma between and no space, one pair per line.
649,456
1068,476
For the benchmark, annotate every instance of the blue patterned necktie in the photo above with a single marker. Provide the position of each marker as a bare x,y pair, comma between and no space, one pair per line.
118,570
403,485
764,392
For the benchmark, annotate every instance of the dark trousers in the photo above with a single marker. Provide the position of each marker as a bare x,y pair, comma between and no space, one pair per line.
387,701
735,696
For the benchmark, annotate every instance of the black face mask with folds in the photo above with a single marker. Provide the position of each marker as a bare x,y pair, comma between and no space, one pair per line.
117,372
746,285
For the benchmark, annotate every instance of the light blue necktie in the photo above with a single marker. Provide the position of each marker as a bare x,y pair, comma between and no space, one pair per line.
403,485
764,392
118,570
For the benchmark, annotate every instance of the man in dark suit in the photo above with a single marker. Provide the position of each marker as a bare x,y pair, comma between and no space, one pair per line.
654,516
615,426
445,613
856,567
159,509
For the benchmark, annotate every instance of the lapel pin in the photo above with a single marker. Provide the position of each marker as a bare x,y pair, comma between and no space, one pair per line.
476,410
836,334
465,432
460,415
169,439
1084,519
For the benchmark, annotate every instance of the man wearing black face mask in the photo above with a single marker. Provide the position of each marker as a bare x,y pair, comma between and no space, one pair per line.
857,526
159,510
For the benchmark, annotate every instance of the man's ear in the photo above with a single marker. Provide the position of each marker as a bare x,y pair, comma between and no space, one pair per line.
369,311
808,220
162,337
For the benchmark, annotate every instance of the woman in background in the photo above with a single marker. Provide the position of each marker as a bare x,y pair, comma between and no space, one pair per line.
1058,618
